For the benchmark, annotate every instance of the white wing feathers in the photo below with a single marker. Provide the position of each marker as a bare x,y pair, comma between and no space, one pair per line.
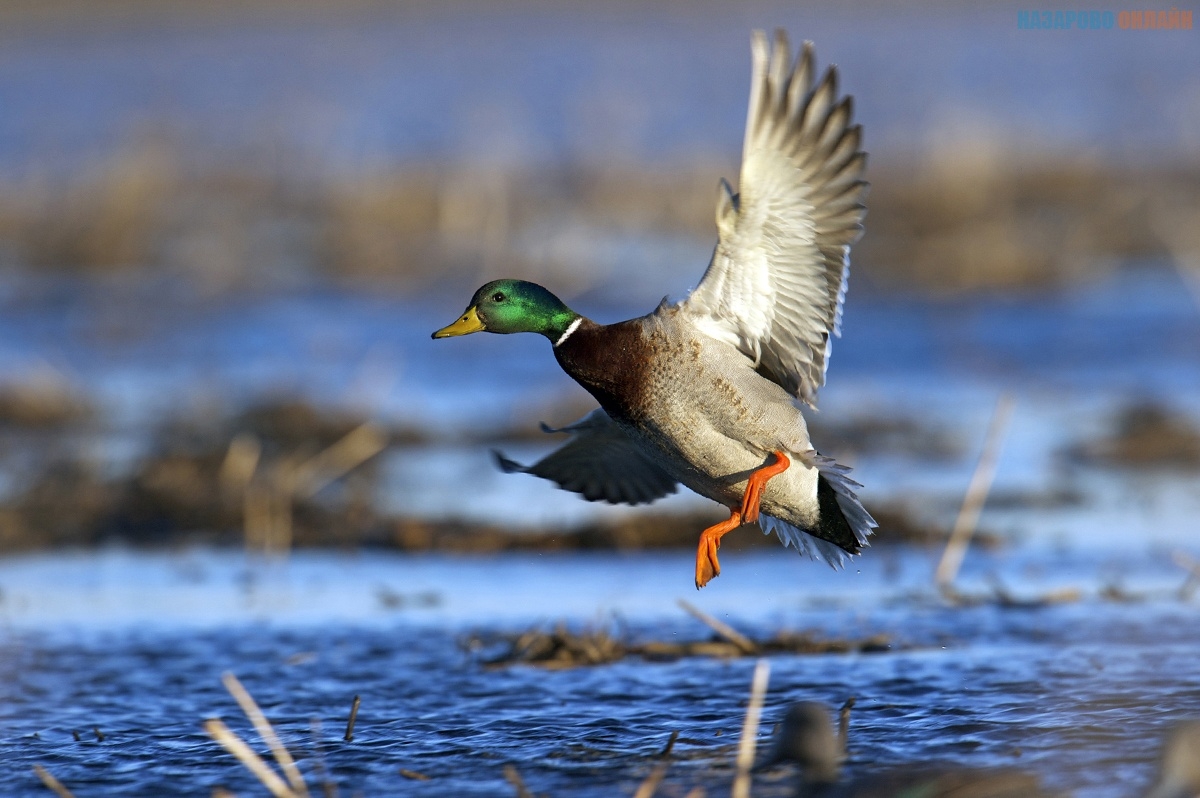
775,286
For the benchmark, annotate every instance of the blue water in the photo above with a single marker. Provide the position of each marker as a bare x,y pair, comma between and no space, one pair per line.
489,84
135,644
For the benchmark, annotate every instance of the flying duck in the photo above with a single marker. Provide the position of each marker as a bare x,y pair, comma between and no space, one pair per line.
703,392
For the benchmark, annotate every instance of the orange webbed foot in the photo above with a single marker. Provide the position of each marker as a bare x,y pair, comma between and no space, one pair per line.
707,565
757,483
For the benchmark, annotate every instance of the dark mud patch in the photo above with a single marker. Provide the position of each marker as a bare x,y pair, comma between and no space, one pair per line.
201,479
644,531
1144,435
561,647
284,472
886,435
41,404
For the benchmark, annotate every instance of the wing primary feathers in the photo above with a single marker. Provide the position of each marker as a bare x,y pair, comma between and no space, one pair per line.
780,63
801,82
506,465
820,103
758,89
777,277
726,206
845,150
599,461
833,128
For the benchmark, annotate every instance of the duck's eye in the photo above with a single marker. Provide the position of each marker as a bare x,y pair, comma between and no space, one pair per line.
498,296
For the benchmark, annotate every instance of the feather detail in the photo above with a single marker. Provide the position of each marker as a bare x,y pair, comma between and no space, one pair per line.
600,462
777,279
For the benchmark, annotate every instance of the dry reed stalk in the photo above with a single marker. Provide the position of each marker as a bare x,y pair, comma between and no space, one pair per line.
52,784
267,502
670,746
237,478
749,741
353,719
252,761
240,463
267,510
976,495
267,732
1176,229
648,787
283,493
513,777
256,516
1190,565
322,772
273,518
413,775
355,448
744,644
844,726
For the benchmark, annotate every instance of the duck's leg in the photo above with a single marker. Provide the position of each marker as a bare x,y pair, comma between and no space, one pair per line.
758,483
707,566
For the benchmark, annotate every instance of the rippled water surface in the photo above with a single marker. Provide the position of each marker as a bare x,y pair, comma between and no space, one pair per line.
134,645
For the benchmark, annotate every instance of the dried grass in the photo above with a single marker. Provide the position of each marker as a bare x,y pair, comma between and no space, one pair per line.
1144,434
294,787
965,222
562,647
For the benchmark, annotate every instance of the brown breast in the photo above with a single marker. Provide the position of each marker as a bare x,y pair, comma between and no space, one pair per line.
611,362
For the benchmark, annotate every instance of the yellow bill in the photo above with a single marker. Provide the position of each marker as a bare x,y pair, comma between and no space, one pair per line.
469,323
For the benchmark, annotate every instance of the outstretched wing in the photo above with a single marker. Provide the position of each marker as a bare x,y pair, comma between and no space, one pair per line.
600,462
775,285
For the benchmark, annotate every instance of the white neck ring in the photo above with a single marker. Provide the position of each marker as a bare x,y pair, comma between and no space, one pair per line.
567,333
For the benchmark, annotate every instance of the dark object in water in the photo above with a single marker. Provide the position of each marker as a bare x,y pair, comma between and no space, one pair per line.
807,738
349,737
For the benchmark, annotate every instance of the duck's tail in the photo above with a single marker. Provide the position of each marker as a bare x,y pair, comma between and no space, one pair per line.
843,524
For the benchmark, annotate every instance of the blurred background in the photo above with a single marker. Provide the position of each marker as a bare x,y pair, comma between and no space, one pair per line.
227,230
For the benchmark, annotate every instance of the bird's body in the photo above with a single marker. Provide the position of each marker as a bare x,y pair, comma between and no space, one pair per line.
710,439
698,411
702,392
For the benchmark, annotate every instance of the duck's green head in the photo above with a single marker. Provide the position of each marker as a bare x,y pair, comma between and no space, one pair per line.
512,306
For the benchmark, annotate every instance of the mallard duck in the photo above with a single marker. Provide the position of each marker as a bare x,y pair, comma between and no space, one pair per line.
806,738
701,392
